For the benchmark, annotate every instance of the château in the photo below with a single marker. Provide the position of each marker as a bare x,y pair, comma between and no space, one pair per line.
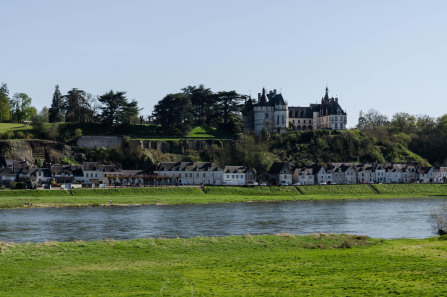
271,113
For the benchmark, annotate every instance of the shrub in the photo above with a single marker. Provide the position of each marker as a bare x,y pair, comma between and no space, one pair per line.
8,135
439,220
77,133
20,185
20,135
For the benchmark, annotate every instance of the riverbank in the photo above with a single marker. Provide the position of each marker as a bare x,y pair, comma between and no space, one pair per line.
210,194
281,265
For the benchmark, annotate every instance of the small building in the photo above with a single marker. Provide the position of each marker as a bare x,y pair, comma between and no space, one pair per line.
323,177
234,175
191,173
304,176
280,174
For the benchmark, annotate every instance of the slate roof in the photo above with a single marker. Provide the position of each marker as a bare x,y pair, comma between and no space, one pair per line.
91,166
300,112
111,168
270,99
57,169
278,167
188,166
235,169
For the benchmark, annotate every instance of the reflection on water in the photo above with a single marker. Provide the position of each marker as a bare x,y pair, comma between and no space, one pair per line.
387,218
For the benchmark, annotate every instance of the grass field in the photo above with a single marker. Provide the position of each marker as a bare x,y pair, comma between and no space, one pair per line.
336,189
210,194
281,265
209,132
411,188
5,127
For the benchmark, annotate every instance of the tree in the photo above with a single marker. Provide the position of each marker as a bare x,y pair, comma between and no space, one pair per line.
174,113
403,122
229,105
56,111
20,106
130,112
371,120
112,106
77,107
5,111
203,101
117,109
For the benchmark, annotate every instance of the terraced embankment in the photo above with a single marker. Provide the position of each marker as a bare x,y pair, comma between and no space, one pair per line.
210,194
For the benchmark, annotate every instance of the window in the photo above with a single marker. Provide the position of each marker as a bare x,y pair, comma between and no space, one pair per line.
204,175
232,176
277,119
298,121
266,115
283,120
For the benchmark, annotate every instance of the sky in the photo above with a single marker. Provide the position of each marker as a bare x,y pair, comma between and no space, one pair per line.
389,55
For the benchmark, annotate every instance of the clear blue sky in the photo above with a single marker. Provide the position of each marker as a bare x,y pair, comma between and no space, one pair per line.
389,55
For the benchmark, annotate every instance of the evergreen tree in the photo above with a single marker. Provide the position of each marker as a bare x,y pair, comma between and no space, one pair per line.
5,111
56,111
112,106
174,113
204,104
77,107
130,112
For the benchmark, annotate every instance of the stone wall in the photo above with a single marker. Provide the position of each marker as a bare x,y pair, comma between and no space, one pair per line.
181,145
99,141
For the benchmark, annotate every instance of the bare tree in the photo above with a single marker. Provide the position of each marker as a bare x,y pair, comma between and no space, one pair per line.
439,217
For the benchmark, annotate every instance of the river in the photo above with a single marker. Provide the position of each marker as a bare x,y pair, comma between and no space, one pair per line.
381,218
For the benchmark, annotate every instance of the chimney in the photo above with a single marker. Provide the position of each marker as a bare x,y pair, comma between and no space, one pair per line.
274,91
336,99
259,97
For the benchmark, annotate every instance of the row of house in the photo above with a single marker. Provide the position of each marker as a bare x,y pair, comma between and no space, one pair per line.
350,173
209,173
89,173
196,173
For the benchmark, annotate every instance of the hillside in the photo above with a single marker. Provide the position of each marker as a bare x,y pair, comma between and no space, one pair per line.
146,143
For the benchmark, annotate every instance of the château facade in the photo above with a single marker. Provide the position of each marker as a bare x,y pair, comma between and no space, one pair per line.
272,113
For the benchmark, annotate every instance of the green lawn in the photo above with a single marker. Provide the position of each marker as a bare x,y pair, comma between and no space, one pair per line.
281,265
190,195
209,132
336,189
411,188
5,127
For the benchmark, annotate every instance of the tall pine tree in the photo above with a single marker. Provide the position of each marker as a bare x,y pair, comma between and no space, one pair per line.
56,111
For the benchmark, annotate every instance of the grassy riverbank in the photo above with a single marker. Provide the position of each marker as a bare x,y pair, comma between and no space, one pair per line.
210,194
281,265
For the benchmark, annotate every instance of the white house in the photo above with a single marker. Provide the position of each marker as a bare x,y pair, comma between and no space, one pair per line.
234,175
192,173
323,176
92,173
280,174
380,174
304,176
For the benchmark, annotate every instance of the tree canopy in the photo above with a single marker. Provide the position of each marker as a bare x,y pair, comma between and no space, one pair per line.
5,111
56,111
77,107
175,114
21,109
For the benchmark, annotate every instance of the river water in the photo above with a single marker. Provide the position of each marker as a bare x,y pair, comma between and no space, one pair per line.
381,218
